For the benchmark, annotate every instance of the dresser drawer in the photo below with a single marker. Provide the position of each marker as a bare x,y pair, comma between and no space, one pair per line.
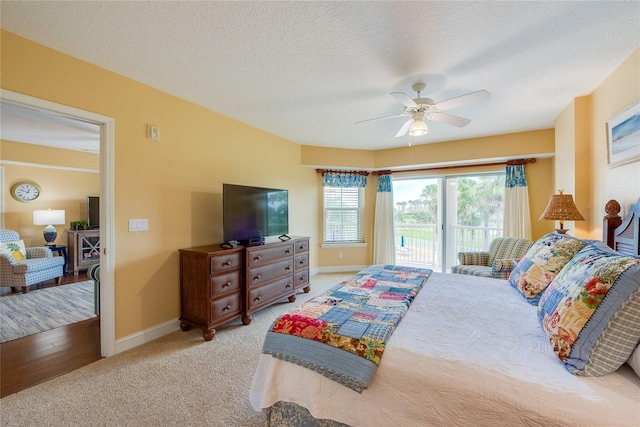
301,246
301,279
267,294
224,262
302,262
267,254
225,283
226,306
259,275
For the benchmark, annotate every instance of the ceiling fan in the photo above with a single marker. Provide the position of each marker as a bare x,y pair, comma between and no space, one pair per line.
420,108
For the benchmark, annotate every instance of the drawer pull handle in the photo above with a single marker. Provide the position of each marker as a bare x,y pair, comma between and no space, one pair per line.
226,285
257,277
288,268
301,247
227,308
256,299
288,286
287,251
226,263
257,258
301,279
301,262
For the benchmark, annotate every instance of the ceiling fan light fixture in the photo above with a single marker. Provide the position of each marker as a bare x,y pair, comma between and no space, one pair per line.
418,128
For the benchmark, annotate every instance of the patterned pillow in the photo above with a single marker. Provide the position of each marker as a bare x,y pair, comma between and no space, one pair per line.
16,250
591,311
542,262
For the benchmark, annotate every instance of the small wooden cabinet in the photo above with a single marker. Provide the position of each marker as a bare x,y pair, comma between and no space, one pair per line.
84,249
211,285
219,285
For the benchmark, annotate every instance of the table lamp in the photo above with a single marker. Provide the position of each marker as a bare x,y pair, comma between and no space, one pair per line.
49,218
561,208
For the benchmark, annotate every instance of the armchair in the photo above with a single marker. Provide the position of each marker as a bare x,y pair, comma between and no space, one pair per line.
34,266
502,256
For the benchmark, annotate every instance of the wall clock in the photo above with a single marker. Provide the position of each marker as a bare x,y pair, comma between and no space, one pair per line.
26,191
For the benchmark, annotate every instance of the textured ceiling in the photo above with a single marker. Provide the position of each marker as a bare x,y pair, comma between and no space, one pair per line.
307,71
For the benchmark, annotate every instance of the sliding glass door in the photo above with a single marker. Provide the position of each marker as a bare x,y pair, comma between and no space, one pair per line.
437,217
417,222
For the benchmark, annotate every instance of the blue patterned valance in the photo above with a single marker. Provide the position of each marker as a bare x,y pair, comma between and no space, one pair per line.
515,176
384,184
344,179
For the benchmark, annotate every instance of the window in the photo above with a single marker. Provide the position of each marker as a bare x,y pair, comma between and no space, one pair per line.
343,212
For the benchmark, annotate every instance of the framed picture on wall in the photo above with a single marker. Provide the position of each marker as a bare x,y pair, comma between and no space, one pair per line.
623,136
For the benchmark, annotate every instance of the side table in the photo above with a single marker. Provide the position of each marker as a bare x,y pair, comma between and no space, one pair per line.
61,250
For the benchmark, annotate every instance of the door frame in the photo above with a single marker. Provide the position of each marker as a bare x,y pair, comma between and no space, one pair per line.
107,253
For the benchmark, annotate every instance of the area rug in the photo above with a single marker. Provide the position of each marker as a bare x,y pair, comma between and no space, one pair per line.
40,310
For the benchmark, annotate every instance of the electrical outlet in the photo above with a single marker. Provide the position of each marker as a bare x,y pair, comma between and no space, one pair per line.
339,254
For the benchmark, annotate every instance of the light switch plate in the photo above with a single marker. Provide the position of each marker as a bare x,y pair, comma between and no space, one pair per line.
139,224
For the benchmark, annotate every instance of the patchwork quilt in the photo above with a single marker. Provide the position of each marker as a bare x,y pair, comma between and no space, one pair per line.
342,333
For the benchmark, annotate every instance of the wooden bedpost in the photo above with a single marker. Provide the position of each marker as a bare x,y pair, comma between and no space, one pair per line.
610,222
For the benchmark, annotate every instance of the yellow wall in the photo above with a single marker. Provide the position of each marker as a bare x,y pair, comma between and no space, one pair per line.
176,182
65,177
581,149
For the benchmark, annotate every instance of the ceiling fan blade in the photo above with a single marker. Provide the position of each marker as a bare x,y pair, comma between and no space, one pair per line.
458,101
384,117
404,99
449,119
405,127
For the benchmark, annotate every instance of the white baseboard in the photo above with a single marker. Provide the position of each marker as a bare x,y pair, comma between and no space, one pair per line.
339,269
167,327
147,335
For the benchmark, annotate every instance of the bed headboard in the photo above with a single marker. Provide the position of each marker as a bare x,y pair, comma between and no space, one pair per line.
623,235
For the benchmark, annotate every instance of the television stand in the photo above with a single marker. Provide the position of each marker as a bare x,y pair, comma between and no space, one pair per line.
275,271
219,285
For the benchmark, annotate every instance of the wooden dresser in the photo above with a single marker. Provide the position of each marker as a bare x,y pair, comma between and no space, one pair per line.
219,285
211,287
271,273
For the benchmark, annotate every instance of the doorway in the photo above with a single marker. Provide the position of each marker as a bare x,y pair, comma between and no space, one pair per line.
106,124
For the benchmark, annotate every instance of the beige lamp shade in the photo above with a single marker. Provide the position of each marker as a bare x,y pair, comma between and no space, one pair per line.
561,208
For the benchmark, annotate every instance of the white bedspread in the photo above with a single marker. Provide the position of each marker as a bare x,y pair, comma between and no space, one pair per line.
468,352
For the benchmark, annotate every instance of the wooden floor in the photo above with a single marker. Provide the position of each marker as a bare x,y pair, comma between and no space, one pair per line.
31,360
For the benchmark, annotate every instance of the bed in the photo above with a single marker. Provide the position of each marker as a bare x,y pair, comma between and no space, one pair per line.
480,351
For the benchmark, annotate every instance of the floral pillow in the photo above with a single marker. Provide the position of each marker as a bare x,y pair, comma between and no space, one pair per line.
591,311
16,250
542,262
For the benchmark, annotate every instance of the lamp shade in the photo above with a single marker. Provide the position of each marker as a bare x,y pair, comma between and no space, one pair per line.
561,208
48,217
418,128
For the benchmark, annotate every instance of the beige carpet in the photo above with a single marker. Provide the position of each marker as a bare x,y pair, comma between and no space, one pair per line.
177,380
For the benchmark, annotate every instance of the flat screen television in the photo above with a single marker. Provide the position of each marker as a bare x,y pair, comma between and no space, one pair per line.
93,212
249,214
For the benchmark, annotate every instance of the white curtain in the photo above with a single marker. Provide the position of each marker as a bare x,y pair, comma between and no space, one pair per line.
384,250
517,221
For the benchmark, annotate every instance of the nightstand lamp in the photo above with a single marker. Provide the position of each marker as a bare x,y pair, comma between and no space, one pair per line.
561,208
49,218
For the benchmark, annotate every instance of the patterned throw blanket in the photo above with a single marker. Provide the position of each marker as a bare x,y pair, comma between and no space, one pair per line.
342,333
